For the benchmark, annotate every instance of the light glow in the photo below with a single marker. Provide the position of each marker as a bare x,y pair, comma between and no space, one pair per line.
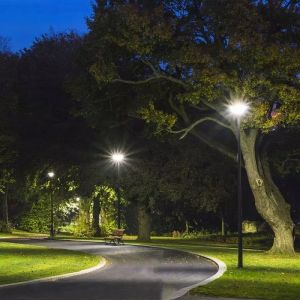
51,174
117,157
238,108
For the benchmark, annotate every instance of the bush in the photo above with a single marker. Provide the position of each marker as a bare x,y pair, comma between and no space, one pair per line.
38,218
67,229
196,234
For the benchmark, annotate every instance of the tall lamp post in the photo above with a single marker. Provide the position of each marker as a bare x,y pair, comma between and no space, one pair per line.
238,110
51,175
118,158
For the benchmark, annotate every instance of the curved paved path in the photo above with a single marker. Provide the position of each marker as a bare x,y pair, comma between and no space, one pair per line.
132,273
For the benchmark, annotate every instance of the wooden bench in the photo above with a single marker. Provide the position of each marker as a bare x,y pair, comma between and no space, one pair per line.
116,237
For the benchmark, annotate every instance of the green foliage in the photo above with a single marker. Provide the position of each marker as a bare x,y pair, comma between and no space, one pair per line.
199,57
286,162
38,218
4,227
106,195
179,183
7,178
38,188
108,213
211,53
83,223
163,120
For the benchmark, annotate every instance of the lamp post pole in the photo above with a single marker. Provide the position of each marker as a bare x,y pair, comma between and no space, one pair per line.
52,218
118,158
237,109
240,203
119,205
51,175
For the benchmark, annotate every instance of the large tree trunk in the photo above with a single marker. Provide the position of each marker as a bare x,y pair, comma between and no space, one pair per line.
96,213
144,223
268,200
5,224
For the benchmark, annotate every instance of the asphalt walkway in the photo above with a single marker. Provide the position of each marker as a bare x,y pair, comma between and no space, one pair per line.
133,273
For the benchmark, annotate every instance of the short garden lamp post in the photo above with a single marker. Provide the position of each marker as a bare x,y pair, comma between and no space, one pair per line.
117,159
237,110
51,175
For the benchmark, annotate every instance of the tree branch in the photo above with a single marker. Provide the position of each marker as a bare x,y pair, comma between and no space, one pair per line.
150,66
138,82
214,107
156,75
192,126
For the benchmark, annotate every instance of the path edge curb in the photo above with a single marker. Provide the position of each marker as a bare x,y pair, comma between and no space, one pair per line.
222,268
101,265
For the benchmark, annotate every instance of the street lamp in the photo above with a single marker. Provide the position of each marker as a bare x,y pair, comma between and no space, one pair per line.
51,175
117,159
237,110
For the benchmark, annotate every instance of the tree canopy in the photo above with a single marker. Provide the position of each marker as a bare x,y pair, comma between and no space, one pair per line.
177,64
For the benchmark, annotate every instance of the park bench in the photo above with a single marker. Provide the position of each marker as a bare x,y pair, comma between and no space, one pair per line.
116,237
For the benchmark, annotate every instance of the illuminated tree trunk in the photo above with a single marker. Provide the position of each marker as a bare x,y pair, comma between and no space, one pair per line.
187,227
222,226
268,200
144,223
5,224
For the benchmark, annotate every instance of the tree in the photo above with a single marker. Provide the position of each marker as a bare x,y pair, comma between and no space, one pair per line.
182,60
285,166
8,126
104,209
8,107
140,183
49,132
179,181
36,194
6,181
196,181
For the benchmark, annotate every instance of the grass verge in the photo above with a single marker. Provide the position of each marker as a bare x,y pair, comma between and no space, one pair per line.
27,262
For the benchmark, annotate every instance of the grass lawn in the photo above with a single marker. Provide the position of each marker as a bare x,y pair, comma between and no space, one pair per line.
264,276
21,234
26,262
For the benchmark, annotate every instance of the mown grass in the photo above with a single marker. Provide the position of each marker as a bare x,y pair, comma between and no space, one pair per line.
26,262
21,234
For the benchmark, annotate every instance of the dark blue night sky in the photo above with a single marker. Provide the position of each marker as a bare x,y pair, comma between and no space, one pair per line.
23,20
